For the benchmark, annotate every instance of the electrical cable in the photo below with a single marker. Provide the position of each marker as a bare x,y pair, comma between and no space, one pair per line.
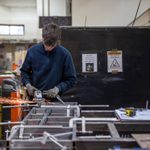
136,13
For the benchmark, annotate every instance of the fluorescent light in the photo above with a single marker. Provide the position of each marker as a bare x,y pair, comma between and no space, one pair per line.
16,30
4,29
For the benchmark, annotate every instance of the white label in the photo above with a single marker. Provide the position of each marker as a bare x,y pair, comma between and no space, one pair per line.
89,63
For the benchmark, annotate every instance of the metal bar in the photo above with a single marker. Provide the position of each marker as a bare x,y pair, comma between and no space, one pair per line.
99,111
9,122
64,106
16,106
83,125
95,137
21,131
7,134
68,111
57,143
55,135
59,99
63,134
52,138
13,132
42,126
113,131
44,117
88,106
136,13
71,121
55,140
16,128
28,115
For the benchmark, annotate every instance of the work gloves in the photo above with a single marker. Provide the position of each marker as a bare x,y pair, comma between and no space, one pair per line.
30,89
52,93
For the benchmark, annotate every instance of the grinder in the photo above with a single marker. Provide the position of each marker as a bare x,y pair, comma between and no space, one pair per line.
39,97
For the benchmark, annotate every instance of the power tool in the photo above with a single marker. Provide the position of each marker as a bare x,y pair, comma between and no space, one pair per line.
130,111
40,96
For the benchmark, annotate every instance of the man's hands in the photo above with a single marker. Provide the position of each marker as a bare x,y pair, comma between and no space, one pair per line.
30,89
52,93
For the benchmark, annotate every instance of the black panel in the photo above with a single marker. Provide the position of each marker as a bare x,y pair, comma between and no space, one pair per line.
61,21
130,88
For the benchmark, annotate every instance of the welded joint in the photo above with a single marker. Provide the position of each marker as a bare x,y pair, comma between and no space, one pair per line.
52,138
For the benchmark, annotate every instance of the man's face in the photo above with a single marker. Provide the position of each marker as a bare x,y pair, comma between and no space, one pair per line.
49,47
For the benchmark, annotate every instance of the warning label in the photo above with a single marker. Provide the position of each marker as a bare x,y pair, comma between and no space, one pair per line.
114,61
114,64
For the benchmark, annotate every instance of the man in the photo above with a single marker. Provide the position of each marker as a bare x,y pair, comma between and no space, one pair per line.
48,66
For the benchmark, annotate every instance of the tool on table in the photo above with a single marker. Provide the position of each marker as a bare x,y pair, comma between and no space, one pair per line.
130,111
39,98
57,97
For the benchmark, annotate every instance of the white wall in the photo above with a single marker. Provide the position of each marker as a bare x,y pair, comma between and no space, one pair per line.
106,12
4,15
20,12
27,12
18,3
98,12
58,7
24,16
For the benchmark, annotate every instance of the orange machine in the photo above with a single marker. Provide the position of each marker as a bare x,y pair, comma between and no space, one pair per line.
16,113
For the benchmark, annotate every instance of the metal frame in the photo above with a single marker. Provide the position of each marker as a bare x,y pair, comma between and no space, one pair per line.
72,127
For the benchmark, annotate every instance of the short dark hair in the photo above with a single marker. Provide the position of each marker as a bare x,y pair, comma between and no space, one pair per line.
51,34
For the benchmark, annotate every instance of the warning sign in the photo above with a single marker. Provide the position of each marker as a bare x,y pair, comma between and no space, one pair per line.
114,61
114,64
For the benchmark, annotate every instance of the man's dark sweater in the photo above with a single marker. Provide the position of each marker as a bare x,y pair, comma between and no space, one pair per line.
44,70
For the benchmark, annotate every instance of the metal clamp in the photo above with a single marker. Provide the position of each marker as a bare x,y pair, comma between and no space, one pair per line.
83,120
